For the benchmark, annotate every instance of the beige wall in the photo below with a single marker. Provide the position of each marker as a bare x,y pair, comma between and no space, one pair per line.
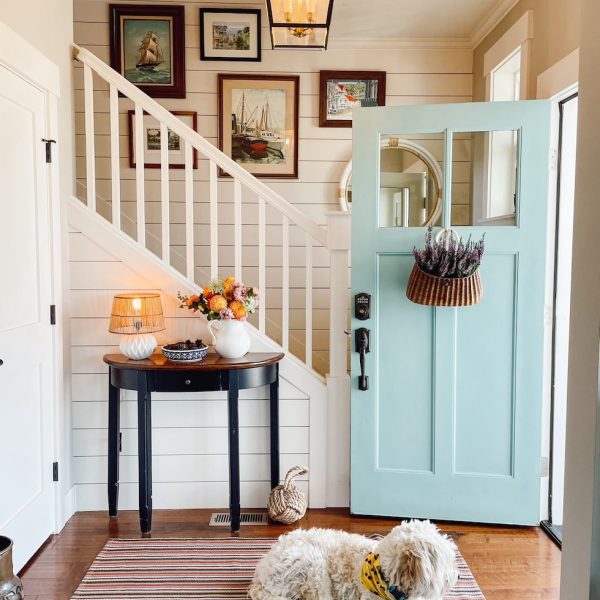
581,549
556,25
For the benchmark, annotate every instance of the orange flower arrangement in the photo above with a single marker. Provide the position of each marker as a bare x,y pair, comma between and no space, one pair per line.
223,299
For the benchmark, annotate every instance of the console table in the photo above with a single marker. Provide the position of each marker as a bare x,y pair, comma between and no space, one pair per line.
213,373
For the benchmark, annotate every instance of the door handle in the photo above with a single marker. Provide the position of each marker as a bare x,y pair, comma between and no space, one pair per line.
362,339
1,362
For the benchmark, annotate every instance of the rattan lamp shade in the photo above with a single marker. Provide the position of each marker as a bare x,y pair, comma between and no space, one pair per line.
136,313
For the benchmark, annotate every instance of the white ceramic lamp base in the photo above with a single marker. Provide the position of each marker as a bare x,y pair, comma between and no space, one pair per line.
138,346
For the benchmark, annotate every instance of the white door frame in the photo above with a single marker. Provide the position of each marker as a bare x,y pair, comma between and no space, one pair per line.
19,57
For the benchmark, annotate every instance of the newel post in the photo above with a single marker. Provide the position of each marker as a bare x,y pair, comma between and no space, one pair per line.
338,242
338,381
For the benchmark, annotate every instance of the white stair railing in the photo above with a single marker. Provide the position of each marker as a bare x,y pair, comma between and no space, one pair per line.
335,237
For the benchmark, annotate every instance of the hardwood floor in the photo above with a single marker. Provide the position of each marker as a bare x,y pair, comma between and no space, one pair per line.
509,563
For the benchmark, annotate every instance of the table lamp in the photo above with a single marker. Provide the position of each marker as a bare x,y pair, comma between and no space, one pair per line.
136,317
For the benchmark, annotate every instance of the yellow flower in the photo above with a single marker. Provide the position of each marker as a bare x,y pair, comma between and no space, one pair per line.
217,303
238,309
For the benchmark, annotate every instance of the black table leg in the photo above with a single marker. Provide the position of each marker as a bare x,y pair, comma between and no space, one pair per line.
114,397
274,411
234,450
145,452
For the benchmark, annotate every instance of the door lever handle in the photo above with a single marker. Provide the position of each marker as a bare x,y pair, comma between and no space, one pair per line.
362,340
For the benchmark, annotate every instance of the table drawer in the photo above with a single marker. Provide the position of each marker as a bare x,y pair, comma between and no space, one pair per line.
182,382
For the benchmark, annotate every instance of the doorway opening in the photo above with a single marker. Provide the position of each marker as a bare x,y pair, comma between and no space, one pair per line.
565,204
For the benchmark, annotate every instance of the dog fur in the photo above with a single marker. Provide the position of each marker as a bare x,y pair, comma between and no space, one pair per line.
326,564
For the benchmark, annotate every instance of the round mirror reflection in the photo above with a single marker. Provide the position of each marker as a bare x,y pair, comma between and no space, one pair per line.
410,185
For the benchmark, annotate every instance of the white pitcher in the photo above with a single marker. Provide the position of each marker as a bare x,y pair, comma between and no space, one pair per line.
232,339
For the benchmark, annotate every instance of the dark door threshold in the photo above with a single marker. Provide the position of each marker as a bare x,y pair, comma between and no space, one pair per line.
555,532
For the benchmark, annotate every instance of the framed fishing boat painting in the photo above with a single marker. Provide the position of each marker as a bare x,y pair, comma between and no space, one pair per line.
147,46
258,123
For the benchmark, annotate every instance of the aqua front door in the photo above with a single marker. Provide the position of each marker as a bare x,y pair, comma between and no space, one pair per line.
450,425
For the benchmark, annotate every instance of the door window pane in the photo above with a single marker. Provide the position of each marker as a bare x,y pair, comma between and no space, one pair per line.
410,178
484,189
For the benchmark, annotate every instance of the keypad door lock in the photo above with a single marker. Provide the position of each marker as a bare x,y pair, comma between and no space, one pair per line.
362,306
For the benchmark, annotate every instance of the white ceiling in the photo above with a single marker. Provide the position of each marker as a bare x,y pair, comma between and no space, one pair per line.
458,20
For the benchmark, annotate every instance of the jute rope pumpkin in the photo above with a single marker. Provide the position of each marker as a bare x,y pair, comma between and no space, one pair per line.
287,504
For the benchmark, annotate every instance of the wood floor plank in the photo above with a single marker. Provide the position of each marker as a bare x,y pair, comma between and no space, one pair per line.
509,563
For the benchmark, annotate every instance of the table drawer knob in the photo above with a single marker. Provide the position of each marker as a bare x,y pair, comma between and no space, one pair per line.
188,382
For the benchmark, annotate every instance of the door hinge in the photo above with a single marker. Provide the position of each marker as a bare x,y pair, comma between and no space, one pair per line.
53,314
120,441
55,471
48,149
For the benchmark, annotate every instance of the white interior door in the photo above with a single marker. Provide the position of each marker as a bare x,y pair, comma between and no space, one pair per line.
26,381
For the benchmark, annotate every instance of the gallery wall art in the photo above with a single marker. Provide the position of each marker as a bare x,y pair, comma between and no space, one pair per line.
258,122
147,47
230,34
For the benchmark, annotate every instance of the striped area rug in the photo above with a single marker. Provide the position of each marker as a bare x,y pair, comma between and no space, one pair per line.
202,569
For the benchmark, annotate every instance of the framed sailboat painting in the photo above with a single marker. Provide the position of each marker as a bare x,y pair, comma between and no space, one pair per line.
258,123
147,46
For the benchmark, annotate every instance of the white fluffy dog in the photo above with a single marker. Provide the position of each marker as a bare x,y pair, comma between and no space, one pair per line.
413,562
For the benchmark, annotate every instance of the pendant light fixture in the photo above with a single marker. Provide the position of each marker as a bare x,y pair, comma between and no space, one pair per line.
299,23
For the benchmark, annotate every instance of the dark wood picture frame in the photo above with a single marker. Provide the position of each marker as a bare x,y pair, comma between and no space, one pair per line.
181,113
294,80
255,13
325,76
118,12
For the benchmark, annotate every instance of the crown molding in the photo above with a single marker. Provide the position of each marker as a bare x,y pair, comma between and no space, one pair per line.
491,21
340,43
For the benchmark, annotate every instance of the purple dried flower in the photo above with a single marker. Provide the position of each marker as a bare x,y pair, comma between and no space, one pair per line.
457,259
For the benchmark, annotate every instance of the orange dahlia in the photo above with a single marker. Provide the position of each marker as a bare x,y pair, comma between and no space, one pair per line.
208,293
217,303
238,309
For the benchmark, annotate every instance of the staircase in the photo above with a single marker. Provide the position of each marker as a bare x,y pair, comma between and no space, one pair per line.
238,227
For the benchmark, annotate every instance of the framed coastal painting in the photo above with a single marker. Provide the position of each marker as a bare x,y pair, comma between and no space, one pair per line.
258,123
147,47
230,34
340,92
152,141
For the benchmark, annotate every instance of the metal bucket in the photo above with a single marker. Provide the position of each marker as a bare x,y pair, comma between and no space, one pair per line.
11,587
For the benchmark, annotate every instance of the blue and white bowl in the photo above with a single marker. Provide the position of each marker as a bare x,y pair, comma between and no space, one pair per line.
175,353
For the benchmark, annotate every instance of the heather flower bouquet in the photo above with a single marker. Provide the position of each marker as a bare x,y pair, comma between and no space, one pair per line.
453,258
223,299
446,271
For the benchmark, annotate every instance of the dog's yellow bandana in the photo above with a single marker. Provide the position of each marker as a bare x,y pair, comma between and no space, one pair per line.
372,578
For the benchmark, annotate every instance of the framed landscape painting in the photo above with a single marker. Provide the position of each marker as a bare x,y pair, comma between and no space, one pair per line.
340,92
147,47
152,142
258,123
230,34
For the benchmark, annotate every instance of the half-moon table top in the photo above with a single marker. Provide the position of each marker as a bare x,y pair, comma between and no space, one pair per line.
211,362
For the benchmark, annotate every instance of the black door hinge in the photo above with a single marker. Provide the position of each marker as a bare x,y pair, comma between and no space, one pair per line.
53,314
48,149
120,441
55,471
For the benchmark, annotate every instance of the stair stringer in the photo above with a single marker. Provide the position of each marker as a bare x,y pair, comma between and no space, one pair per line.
171,281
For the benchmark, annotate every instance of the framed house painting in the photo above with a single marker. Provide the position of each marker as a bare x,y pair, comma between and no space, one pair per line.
147,47
152,142
230,34
258,123
340,92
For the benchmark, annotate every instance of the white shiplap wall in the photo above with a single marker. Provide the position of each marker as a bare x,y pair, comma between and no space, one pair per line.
189,430
414,76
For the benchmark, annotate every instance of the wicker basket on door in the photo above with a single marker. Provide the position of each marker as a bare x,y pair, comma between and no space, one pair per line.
454,290
430,290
